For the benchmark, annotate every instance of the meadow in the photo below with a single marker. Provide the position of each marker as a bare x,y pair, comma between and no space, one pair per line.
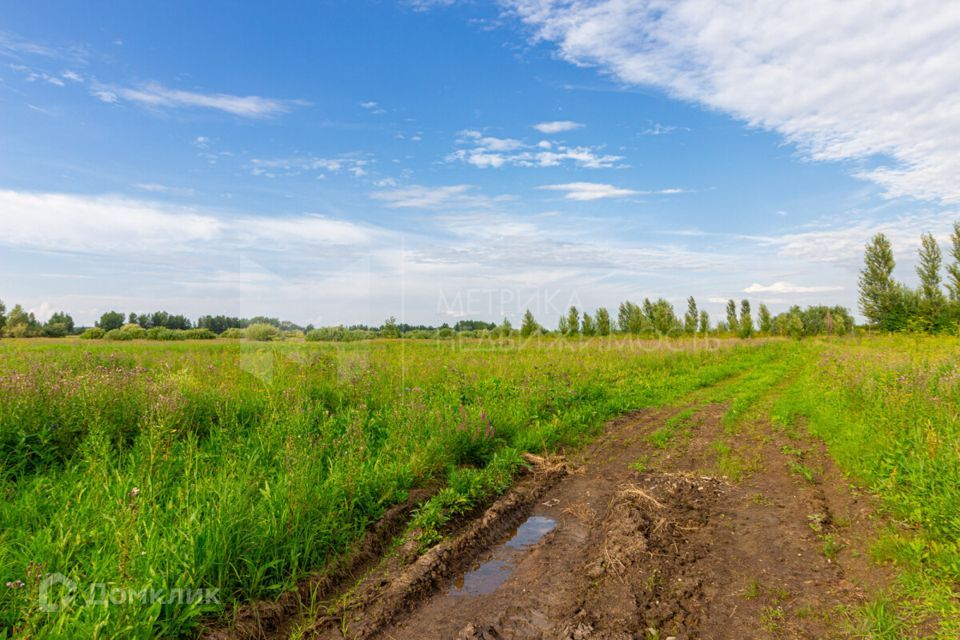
175,468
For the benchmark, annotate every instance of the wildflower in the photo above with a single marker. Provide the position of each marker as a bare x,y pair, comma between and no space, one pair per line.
134,492
15,584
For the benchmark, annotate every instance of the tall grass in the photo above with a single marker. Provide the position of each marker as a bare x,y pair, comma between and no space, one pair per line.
244,467
889,410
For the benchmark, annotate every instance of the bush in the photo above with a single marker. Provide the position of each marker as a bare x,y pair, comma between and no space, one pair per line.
233,334
338,334
263,332
162,333
55,330
127,332
93,333
198,334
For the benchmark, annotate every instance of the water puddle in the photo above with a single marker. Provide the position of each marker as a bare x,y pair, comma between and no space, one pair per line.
488,576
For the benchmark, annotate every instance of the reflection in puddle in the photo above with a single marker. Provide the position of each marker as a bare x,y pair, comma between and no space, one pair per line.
487,577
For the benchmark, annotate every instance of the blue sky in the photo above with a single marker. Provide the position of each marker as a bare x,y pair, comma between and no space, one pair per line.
345,161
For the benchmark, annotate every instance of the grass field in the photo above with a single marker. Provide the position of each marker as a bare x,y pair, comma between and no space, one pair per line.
243,467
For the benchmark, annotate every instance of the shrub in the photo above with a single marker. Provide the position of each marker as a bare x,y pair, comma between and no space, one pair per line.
233,333
263,332
127,332
55,330
93,333
162,333
198,334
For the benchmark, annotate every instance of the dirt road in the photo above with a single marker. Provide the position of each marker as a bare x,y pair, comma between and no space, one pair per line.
714,534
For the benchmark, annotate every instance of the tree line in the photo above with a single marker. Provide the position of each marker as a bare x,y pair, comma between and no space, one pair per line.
890,305
649,319
659,319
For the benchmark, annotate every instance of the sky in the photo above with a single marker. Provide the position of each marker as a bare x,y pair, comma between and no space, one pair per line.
344,161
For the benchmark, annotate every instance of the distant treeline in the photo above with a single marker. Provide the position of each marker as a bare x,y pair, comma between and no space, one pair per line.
648,319
890,305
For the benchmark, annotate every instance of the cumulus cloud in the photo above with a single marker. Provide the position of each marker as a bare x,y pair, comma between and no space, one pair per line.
787,287
557,126
857,80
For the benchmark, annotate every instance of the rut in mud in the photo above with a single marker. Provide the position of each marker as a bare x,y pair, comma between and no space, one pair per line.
630,541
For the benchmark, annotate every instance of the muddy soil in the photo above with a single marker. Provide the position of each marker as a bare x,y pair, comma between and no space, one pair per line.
602,547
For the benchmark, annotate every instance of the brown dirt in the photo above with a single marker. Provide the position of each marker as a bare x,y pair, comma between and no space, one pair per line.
676,550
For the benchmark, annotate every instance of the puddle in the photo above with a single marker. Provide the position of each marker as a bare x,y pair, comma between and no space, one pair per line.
530,532
488,576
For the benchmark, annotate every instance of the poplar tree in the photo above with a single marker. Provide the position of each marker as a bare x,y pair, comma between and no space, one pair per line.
573,321
529,325
603,322
953,270
733,326
876,285
690,318
766,320
704,322
928,270
746,319
588,326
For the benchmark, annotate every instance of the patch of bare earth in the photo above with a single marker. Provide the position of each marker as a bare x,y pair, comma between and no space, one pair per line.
596,549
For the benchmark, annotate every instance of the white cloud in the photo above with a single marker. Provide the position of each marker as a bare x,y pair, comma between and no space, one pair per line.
844,81
492,152
557,126
598,190
155,187
373,107
787,287
662,130
589,190
422,197
273,167
118,225
65,222
156,95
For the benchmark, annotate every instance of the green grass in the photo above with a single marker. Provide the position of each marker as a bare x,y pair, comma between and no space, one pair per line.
245,467
887,409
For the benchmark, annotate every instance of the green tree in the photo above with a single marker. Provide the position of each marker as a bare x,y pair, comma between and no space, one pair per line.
529,326
630,318
733,325
691,317
766,320
648,311
573,321
704,322
20,323
61,317
389,328
111,320
928,270
746,319
878,290
563,326
589,328
792,324
3,316
603,322
664,320
953,269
